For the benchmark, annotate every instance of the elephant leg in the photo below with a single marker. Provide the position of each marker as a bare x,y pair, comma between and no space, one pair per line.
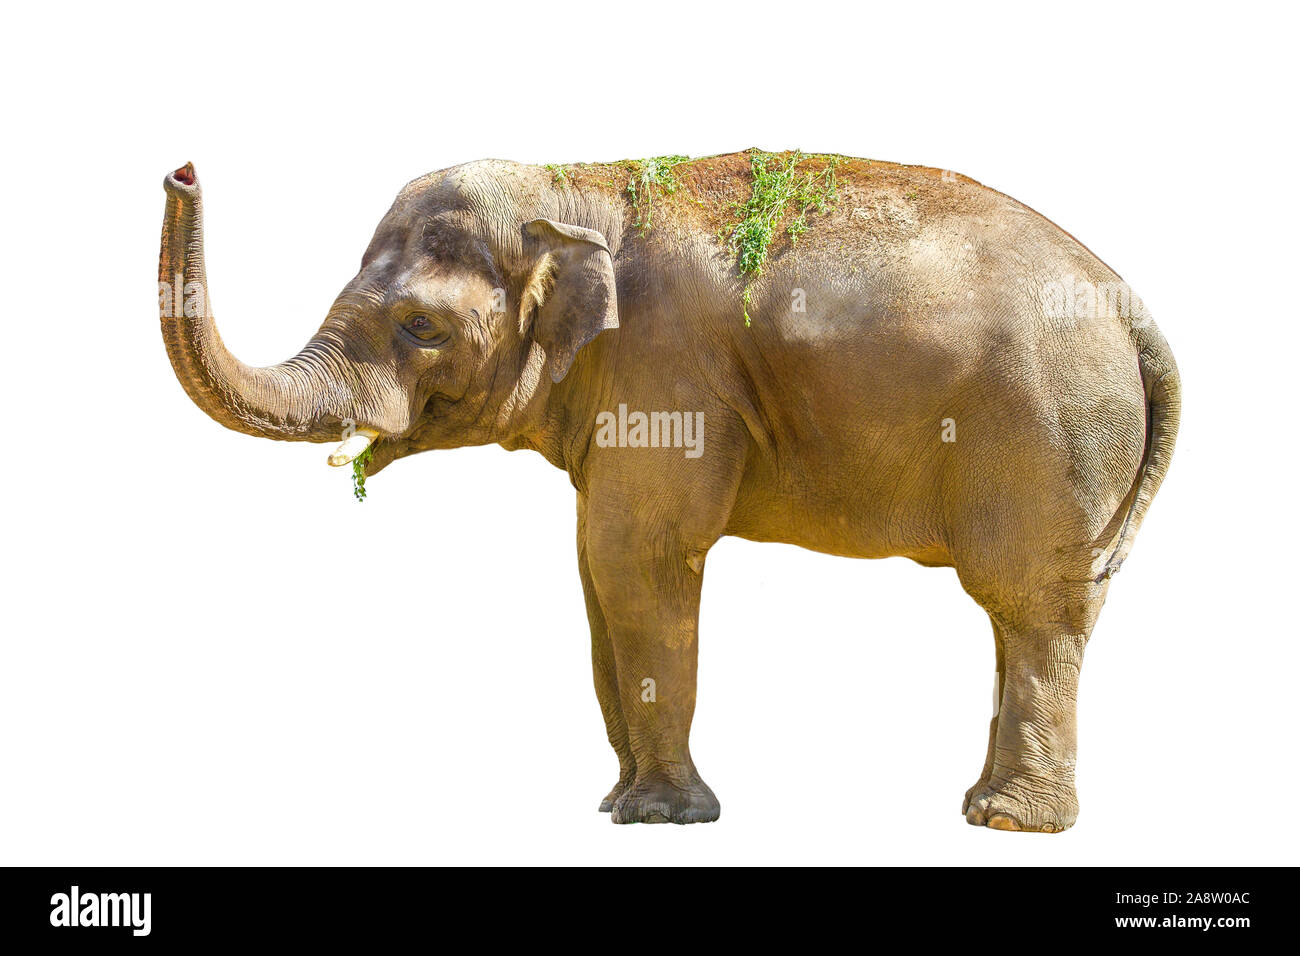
649,590
1030,785
604,671
993,723
1027,558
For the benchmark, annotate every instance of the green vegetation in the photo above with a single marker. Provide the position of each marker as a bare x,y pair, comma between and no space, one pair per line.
647,176
359,472
785,190
777,190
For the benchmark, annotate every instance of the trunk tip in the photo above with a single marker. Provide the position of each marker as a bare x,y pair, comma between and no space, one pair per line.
184,176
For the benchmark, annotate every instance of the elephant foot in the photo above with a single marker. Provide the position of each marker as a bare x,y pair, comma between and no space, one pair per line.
965,803
607,805
1018,802
656,800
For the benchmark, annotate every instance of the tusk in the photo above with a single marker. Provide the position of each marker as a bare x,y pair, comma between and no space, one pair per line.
353,446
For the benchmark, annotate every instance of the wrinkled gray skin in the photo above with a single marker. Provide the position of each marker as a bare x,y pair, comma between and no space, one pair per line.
925,318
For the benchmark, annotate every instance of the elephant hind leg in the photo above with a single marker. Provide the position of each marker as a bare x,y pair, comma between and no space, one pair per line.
1029,557
1000,678
1028,782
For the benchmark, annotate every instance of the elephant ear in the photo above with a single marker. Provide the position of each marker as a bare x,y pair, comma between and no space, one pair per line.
570,297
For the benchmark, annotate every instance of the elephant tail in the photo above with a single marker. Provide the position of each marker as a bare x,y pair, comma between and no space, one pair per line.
1163,390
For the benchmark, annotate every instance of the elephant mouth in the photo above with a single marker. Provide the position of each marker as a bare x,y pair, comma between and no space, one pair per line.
377,442
353,446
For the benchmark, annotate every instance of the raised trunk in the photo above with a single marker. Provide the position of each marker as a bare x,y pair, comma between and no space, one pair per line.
308,398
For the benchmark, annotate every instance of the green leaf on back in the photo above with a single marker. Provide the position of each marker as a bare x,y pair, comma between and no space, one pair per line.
647,176
776,192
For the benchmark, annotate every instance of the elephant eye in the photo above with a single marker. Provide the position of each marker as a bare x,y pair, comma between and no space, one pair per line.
428,331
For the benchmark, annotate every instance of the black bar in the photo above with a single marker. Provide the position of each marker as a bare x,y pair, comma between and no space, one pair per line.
238,905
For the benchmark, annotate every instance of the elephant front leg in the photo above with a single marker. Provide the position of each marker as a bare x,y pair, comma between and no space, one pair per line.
606,676
649,593
604,671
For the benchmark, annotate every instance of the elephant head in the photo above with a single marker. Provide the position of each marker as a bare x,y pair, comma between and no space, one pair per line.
470,305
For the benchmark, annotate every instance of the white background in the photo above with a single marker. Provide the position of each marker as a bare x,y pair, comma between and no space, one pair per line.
213,655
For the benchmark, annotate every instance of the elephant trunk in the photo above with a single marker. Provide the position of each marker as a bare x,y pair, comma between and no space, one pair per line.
311,397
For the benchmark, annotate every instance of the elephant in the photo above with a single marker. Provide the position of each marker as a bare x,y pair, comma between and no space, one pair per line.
857,357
